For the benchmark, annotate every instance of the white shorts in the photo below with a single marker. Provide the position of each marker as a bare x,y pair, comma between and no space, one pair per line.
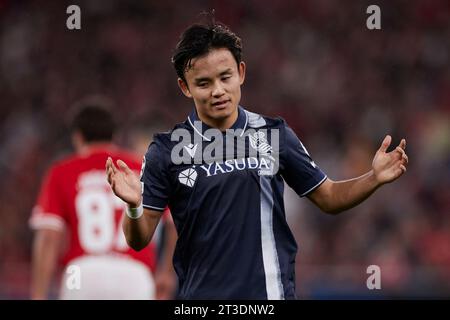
107,277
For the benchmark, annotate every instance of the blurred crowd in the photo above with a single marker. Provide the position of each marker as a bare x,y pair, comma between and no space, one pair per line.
340,86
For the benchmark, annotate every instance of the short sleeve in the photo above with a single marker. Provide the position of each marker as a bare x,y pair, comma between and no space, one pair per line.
155,179
298,169
49,212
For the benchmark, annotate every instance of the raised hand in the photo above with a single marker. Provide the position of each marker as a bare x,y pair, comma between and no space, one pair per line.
124,182
388,166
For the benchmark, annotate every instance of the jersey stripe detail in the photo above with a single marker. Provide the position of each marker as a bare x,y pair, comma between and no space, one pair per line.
274,287
246,122
192,125
255,120
153,208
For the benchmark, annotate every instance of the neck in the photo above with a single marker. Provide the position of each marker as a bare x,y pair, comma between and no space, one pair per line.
92,146
221,124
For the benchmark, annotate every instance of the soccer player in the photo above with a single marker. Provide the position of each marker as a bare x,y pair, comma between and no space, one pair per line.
233,239
76,207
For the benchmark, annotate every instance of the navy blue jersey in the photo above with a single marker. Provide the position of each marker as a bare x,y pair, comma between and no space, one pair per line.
233,238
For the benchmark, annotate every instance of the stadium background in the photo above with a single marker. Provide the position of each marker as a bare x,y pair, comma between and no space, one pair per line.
340,86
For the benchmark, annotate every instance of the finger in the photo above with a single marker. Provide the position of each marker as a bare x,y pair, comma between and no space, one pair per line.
111,165
109,175
399,170
108,165
401,151
386,143
405,158
403,144
123,166
403,168
399,164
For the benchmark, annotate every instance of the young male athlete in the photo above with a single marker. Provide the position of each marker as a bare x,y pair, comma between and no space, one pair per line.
233,239
76,207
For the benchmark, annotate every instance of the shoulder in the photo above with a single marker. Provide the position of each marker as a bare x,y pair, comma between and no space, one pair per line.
257,121
163,140
63,162
58,169
133,160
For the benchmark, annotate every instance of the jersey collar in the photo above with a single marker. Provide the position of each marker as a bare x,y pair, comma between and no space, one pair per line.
240,123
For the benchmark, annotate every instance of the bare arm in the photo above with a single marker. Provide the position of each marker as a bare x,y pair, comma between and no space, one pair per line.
46,248
337,196
165,277
139,232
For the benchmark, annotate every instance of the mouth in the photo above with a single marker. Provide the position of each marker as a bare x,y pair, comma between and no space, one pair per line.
220,104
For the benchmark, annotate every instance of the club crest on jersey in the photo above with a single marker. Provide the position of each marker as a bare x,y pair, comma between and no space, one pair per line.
188,177
259,142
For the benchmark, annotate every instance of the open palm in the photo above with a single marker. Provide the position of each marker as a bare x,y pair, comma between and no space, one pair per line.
388,166
124,182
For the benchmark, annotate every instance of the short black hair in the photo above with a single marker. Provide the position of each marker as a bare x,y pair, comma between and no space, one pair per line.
199,39
93,118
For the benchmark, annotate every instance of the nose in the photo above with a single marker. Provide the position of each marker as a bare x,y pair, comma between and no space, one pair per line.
218,90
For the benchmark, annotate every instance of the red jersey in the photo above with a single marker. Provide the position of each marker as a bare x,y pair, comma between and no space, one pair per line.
75,195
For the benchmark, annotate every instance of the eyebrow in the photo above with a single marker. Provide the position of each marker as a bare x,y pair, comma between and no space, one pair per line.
227,71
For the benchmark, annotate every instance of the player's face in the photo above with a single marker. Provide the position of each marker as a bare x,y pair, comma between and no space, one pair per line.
214,82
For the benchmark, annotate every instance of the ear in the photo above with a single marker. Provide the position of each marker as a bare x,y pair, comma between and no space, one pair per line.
184,88
242,72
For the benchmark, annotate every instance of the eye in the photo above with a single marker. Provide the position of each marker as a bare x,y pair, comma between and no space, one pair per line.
224,78
202,84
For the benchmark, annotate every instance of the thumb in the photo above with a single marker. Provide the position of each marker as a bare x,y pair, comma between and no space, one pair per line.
123,166
386,143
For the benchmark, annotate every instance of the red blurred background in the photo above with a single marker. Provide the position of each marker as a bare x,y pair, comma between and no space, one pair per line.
340,86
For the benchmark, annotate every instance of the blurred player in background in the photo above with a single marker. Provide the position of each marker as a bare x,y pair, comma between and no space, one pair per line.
77,208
